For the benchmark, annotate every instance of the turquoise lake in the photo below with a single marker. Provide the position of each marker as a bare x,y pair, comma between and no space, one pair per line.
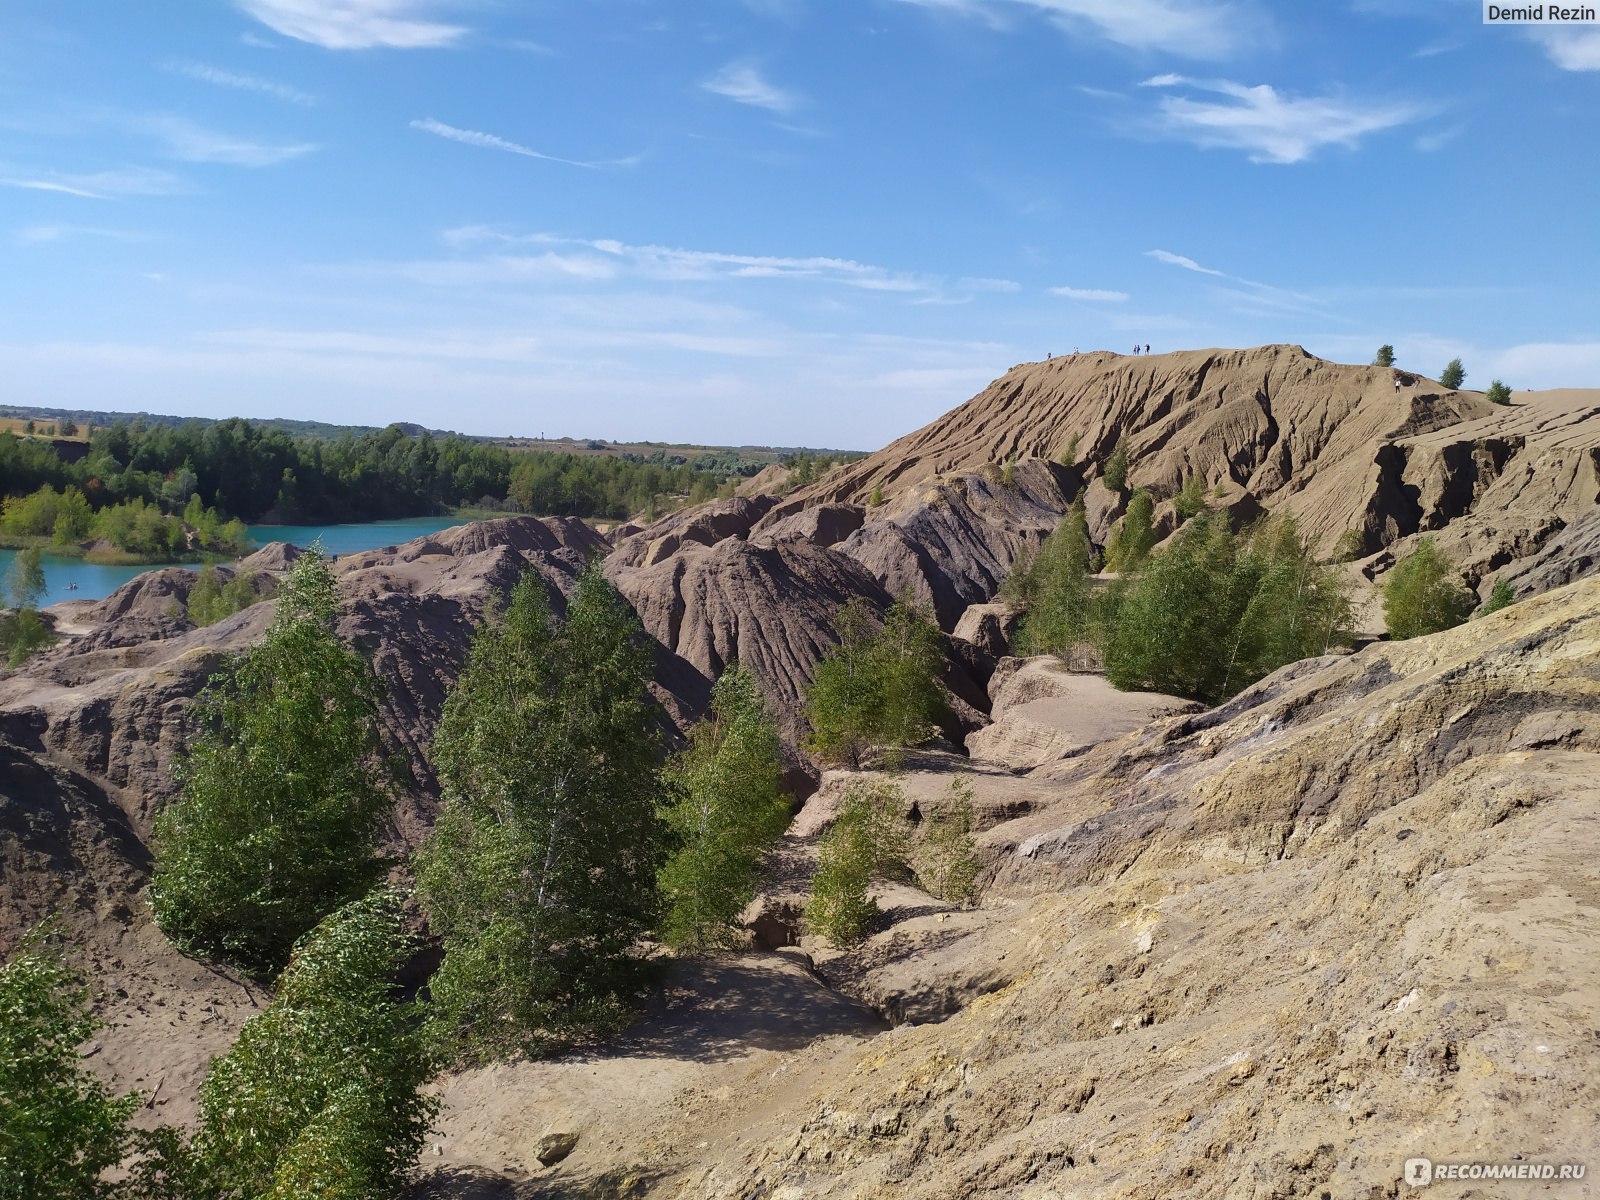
95,582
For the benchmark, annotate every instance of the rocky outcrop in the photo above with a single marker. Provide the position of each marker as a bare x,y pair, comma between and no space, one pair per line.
704,525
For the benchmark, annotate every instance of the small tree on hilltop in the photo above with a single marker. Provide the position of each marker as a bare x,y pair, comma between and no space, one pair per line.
60,1127
1116,472
540,876
727,811
284,794
1498,393
878,686
1384,357
1453,375
1424,594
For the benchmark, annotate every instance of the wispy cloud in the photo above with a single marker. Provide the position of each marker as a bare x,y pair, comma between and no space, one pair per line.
1180,260
608,258
744,83
35,235
492,141
190,142
99,185
1571,49
242,80
356,24
1093,294
1268,126
1204,29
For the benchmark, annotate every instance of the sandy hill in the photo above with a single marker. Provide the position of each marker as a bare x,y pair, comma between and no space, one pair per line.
1337,445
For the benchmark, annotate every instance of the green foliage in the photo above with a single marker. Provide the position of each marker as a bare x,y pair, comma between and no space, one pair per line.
22,631
726,812
1424,594
1216,611
211,600
1454,374
945,857
1008,472
283,795
319,1096
1498,393
1069,456
1384,357
1116,472
1502,595
1352,544
866,839
60,1127
876,499
1058,591
1191,501
1135,536
878,686
540,875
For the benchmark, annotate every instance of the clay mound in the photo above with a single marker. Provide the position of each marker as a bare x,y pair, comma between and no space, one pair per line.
704,525
950,545
272,559
558,536
823,525
1572,554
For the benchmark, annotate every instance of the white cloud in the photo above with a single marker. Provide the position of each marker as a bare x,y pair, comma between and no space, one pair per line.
1093,294
1188,264
743,83
241,80
1203,29
1571,49
194,143
1271,127
490,141
608,257
100,185
355,24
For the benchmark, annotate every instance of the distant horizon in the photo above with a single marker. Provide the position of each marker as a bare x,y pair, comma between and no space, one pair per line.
547,438
772,222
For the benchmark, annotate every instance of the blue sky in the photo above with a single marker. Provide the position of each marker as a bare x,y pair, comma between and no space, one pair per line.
776,221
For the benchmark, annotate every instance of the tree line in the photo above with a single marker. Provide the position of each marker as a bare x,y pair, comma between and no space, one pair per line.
249,471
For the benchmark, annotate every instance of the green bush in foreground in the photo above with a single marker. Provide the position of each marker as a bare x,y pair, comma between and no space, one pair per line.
283,792
944,857
867,838
1502,595
319,1096
1424,594
726,812
60,1127
21,629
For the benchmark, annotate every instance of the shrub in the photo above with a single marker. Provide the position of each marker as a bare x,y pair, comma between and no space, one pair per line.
21,630
879,685
319,1096
1135,536
60,1127
726,812
945,857
1058,590
1498,393
1191,501
1352,544
876,499
540,876
1214,612
1502,595
1453,375
1116,472
866,839
1384,357
1423,594
1008,472
210,601
283,795
1069,456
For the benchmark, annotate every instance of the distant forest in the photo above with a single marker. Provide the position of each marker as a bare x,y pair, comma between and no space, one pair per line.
252,470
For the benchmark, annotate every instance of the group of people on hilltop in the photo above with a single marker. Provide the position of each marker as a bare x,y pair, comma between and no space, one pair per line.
1137,351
